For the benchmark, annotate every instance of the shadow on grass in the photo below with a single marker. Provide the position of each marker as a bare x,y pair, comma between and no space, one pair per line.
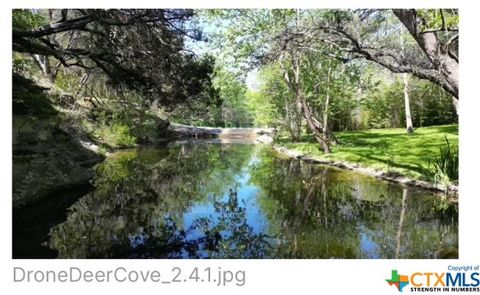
448,129
393,148
358,138
392,164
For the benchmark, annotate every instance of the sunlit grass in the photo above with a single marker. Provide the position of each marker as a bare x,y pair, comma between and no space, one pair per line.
391,150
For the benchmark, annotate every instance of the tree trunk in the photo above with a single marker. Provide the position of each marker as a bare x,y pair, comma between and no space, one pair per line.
44,64
40,63
302,105
455,104
306,111
408,115
438,53
317,132
327,100
326,130
293,121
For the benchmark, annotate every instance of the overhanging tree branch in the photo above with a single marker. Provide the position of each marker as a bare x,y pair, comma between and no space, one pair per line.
441,68
434,49
53,28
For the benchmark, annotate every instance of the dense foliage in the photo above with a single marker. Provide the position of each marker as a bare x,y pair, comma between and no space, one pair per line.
317,71
117,73
347,64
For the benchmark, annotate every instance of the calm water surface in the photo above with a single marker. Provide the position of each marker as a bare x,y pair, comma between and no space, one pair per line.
211,200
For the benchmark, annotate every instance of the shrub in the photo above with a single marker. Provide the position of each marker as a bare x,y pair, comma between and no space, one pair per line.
444,166
116,135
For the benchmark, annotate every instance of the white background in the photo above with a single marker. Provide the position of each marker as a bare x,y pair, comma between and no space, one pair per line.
274,276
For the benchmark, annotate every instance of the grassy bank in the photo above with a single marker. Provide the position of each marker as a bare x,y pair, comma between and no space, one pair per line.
391,150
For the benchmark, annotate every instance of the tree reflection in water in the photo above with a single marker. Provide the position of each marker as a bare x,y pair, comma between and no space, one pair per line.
201,200
228,236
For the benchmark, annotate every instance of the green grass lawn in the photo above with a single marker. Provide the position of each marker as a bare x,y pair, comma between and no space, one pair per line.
391,150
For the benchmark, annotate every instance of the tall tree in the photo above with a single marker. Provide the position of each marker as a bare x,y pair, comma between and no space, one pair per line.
408,114
292,74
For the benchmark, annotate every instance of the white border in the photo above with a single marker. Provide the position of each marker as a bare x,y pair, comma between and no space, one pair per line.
313,276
